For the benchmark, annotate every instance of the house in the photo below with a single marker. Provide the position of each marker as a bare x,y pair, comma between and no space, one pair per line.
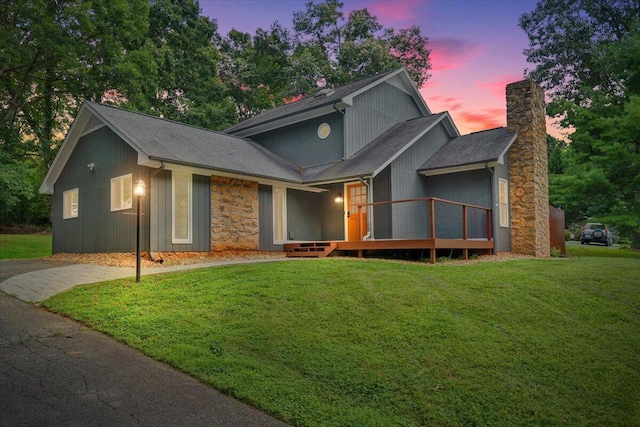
315,170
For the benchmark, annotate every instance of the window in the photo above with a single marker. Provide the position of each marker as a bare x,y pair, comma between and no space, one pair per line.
324,130
70,204
121,193
279,214
503,196
181,218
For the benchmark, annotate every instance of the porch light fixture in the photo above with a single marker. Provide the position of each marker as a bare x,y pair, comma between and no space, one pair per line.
339,198
139,191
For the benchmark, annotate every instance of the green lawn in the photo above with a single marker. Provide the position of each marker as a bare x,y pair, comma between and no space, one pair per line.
16,246
340,342
601,251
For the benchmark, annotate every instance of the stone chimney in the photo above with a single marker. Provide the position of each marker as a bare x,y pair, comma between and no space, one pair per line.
529,185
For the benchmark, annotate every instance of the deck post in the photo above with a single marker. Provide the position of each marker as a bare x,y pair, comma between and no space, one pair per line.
432,218
465,231
489,231
360,233
464,223
432,255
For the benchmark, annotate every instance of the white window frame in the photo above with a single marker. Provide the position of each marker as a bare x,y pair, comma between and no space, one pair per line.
189,239
503,202
279,193
118,201
67,204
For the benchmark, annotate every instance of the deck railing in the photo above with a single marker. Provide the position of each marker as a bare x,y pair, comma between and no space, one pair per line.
432,215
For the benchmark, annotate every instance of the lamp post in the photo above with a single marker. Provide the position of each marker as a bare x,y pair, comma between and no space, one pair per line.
138,191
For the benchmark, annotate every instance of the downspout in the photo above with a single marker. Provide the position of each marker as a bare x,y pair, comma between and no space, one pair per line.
369,200
152,255
495,205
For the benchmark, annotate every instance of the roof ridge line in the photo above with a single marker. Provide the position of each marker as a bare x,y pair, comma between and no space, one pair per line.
163,119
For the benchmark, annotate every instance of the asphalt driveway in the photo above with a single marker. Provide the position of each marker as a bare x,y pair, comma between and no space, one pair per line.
55,372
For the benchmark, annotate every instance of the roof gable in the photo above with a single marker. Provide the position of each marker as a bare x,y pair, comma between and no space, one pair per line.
377,155
470,152
325,102
157,140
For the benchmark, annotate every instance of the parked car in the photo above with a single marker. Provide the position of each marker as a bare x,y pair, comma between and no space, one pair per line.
596,232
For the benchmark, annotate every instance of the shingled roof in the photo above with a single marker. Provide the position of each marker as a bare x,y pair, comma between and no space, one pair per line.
472,149
326,97
376,155
173,142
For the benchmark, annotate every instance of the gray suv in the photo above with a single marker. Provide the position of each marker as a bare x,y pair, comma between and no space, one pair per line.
596,232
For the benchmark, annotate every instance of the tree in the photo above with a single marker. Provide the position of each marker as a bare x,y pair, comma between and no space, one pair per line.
347,51
274,66
50,57
53,55
257,71
587,55
571,43
174,73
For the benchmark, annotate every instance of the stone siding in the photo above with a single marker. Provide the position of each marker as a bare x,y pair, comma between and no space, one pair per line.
234,214
529,187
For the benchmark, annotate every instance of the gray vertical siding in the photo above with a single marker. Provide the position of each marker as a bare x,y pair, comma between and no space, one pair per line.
502,235
411,220
299,143
331,213
161,214
97,229
374,112
303,216
315,216
473,187
265,202
310,216
382,214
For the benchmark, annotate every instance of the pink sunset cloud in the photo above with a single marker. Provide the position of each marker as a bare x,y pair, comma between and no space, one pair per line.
498,86
449,54
390,12
482,120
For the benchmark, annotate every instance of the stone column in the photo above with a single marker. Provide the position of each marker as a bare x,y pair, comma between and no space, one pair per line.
234,214
529,185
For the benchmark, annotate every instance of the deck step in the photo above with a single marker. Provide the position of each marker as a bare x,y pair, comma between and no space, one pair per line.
309,249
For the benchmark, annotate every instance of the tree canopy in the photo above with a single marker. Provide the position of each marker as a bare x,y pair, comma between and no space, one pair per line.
586,55
274,66
164,58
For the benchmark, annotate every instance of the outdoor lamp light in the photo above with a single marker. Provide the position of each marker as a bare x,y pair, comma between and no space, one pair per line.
339,198
138,191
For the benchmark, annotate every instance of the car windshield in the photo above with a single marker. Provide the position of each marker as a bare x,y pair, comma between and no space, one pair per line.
594,226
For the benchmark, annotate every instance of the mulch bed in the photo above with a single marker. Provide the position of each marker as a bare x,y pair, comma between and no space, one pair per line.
128,259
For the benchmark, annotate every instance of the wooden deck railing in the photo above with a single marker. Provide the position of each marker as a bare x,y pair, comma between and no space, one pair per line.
432,215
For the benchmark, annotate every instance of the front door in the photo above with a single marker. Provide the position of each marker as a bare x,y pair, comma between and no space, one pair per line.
356,225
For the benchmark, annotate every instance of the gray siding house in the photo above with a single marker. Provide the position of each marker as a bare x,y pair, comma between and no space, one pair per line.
296,173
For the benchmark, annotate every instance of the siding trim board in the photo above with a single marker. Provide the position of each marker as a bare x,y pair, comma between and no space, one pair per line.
462,168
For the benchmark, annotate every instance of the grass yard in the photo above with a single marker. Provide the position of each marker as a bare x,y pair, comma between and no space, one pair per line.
601,251
17,246
340,342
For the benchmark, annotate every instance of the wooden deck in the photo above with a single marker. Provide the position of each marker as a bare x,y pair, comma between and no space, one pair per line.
322,249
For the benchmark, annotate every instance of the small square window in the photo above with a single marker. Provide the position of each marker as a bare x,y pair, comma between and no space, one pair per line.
121,193
70,204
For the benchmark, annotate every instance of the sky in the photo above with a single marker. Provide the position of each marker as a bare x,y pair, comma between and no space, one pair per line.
476,46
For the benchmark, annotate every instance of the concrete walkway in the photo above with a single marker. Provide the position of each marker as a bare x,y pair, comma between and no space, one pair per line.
37,286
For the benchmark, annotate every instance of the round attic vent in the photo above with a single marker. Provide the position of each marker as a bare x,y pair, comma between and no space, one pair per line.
324,130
